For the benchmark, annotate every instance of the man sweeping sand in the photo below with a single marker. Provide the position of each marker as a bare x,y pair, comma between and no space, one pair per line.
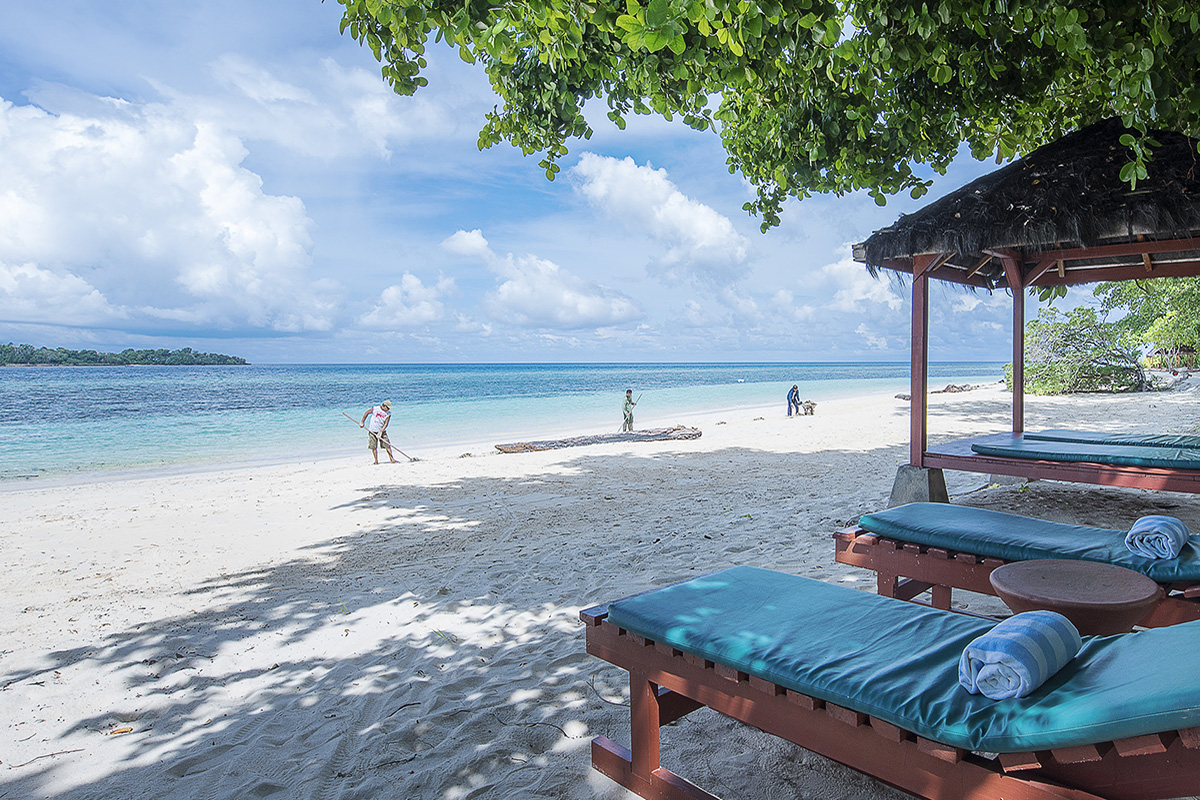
380,416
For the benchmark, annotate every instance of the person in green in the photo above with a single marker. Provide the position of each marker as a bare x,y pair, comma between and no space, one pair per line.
628,409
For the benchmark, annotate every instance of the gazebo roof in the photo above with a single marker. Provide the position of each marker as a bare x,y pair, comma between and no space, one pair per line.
1061,214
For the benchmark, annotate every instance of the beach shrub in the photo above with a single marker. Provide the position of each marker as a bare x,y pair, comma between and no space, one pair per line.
1077,351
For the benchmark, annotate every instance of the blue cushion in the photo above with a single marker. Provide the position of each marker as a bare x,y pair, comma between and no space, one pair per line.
995,534
1140,439
1093,453
898,661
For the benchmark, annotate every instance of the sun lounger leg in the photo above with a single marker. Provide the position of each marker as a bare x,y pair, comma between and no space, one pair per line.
643,712
638,770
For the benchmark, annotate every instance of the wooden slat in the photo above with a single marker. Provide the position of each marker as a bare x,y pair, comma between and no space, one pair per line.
846,715
1017,762
939,553
945,752
730,674
1077,755
804,701
667,650
765,686
980,264
1190,738
889,731
1140,745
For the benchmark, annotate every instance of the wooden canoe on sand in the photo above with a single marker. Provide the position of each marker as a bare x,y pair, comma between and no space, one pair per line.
648,435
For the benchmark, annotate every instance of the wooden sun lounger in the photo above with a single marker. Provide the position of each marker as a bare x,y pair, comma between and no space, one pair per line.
906,570
666,684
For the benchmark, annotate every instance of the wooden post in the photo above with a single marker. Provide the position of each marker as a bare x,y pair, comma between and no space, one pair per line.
1018,418
1016,283
919,368
643,711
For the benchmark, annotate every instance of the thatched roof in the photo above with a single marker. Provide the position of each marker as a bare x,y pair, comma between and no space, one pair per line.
1065,195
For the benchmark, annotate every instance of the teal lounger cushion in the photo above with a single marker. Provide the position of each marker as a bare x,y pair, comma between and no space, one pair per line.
1093,453
1141,439
995,534
898,661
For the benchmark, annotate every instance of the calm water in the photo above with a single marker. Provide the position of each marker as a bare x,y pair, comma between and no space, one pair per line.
60,421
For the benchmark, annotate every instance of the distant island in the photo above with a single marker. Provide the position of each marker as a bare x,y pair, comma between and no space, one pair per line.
28,355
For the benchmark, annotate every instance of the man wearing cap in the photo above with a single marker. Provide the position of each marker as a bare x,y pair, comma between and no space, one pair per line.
377,429
627,410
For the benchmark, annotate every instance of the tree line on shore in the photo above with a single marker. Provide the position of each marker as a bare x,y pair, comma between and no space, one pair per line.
1138,325
27,354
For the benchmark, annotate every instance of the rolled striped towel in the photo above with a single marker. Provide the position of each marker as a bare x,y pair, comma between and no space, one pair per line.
1157,536
1018,655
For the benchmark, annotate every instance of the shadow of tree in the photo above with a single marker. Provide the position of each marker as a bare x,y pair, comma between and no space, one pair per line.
437,653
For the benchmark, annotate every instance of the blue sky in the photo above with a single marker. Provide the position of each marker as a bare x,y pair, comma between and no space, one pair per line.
236,177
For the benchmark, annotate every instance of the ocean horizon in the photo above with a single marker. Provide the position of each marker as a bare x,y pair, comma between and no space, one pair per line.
80,421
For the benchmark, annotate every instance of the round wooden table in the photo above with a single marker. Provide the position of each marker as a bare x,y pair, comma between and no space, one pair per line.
1098,598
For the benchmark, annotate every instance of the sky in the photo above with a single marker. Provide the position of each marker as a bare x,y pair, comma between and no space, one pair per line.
236,177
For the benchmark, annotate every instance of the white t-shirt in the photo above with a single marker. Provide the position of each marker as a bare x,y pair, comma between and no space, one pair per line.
379,415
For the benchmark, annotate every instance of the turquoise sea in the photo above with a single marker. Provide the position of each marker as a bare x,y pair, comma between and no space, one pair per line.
65,422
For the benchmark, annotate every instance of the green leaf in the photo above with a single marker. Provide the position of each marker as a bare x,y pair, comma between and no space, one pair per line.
656,40
629,23
658,13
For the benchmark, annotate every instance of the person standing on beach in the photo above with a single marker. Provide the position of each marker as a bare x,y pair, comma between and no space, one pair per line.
380,416
627,425
794,399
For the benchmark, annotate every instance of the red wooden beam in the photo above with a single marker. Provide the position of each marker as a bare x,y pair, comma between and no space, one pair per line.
919,365
1128,272
1109,250
1018,355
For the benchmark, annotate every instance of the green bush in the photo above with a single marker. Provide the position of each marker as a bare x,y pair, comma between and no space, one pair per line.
1077,352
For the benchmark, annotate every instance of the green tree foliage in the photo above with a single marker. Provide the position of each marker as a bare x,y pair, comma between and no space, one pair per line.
60,356
812,95
1078,352
1163,314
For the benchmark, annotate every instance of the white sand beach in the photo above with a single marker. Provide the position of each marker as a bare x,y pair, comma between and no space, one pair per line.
339,630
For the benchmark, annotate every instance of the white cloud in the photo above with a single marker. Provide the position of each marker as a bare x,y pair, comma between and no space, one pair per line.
535,292
408,304
468,243
338,111
784,302
540,293
29,293
701,242
154,209
871,339
854,288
